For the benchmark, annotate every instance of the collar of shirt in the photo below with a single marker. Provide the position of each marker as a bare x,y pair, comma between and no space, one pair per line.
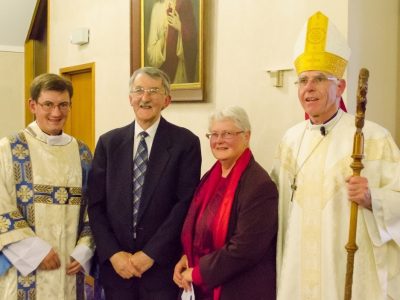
53,140
328,125
151,131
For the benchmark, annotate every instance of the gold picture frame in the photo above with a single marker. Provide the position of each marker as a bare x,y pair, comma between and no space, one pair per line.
168,34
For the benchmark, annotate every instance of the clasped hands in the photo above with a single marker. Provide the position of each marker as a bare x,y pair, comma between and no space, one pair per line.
52,262
128,265
183,274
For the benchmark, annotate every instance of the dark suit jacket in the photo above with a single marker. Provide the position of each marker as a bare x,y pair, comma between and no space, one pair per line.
245,266
172,175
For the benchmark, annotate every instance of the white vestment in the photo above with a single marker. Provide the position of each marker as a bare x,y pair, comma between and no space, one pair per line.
51,221
314,225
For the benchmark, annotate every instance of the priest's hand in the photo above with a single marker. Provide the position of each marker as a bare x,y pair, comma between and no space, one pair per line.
50,262
121,264
74,267
141,263
359,192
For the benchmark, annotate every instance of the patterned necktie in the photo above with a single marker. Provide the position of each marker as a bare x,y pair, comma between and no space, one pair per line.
139,171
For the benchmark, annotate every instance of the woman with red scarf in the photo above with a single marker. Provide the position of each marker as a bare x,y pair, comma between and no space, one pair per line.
229,235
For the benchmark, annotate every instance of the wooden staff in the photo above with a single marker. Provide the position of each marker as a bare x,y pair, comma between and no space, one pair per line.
357,166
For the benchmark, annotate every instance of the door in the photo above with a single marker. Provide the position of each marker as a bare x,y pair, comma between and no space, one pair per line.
80,122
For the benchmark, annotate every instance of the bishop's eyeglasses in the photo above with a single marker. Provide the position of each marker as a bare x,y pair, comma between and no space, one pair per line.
316,80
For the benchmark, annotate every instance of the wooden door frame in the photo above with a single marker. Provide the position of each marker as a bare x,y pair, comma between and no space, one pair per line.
88,67
36,51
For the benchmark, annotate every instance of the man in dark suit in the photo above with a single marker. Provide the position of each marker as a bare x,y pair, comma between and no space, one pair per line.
137,250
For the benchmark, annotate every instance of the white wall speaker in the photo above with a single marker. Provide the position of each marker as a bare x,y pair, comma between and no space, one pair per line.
80,36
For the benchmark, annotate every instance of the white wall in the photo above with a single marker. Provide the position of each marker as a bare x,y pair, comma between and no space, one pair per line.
108,22
244,39
374,39
397,101
12,92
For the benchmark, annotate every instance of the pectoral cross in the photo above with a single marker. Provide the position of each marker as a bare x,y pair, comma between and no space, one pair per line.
293,186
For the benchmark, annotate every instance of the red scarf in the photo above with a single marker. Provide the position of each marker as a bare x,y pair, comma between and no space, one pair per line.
203,195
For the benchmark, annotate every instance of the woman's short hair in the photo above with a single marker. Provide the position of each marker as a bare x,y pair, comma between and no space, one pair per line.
154,73
235,113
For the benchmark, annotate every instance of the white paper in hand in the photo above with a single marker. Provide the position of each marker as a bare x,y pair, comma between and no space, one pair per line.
188,295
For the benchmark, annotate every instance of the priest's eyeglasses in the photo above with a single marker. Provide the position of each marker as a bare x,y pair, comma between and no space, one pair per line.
316,80
50,106
225,135
139,91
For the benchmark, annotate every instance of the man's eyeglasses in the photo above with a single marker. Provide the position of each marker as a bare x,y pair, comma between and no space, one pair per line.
50,106
139,91
225,135
317,80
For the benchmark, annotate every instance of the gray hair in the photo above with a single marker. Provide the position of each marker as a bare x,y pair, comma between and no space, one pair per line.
154,73
234,113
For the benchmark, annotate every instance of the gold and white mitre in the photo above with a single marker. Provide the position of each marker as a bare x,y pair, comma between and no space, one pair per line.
320,46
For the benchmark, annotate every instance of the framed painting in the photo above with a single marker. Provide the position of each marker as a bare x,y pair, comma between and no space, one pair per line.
168,34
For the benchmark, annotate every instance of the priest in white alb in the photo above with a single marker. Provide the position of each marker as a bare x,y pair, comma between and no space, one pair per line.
45,239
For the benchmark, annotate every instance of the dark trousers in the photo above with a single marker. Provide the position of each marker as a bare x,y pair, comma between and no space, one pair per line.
138,292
